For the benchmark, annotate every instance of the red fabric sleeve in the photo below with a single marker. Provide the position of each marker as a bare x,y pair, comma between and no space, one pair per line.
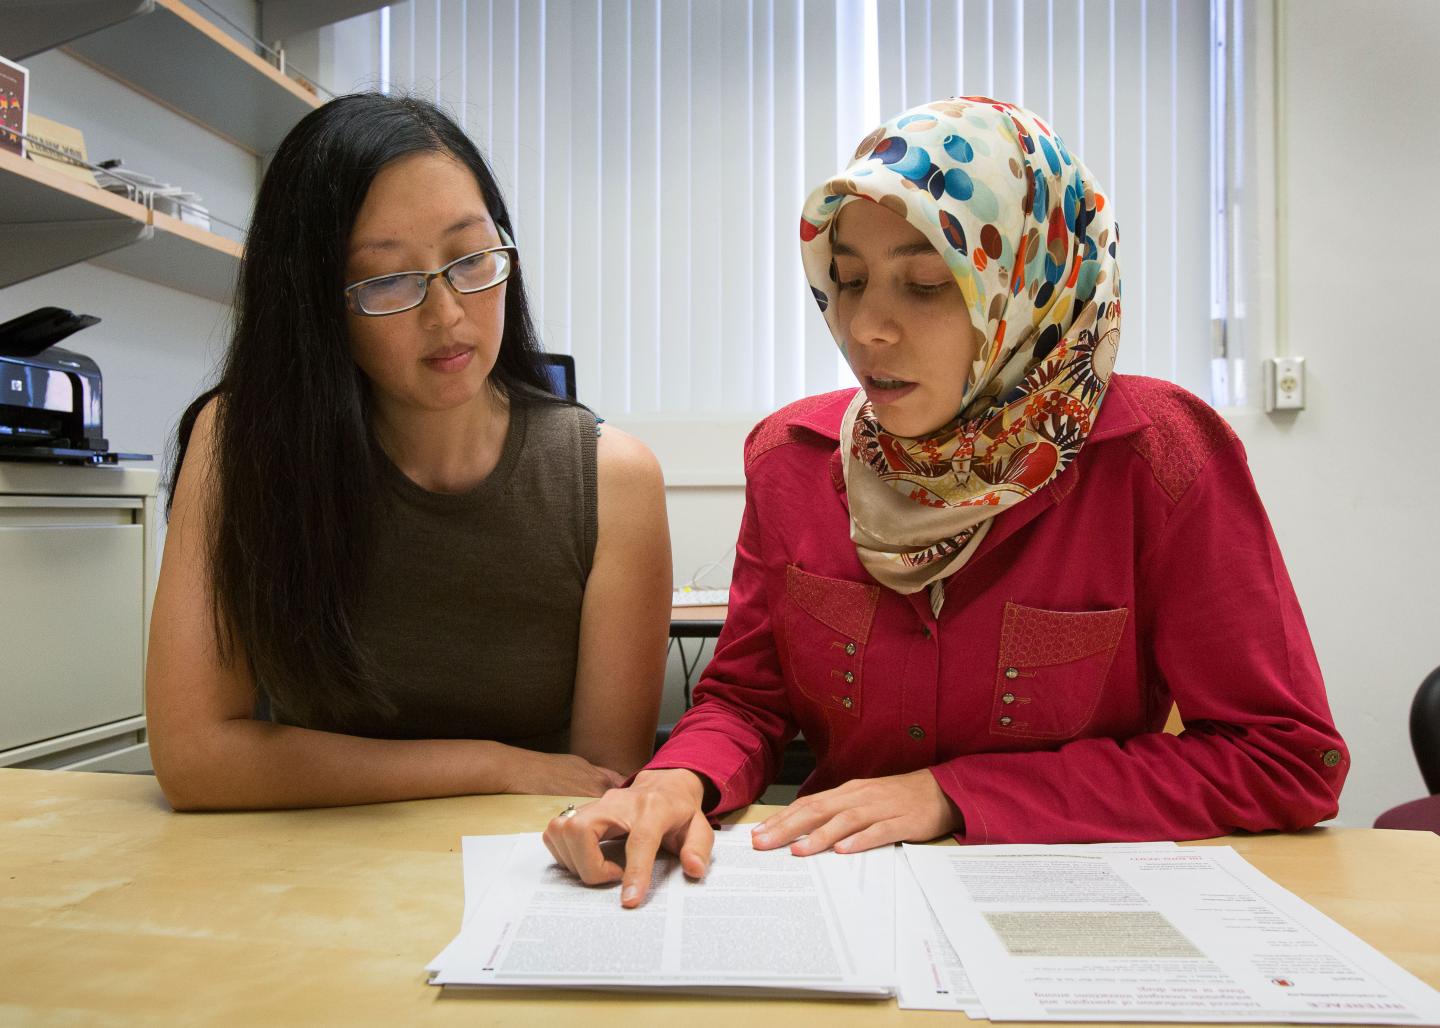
736,732
1222,630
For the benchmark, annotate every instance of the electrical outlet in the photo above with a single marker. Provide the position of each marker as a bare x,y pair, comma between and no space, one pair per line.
1284,384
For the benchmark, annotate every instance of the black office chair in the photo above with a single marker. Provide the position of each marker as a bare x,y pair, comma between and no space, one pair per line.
1422,814
1425,730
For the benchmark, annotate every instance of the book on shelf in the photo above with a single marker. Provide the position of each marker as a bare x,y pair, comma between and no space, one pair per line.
60,147
14,89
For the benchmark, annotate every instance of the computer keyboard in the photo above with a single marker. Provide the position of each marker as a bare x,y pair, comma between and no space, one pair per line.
700,598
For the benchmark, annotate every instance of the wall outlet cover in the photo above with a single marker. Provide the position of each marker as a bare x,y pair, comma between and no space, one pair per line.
1284,384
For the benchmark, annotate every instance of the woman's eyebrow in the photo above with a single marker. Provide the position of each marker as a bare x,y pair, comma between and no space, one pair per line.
920,249
469,221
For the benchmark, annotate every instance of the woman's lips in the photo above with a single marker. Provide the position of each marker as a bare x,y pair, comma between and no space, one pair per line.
883,389
450,361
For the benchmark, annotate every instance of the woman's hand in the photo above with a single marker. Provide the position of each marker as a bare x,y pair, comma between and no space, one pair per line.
557,774
863,814
661,809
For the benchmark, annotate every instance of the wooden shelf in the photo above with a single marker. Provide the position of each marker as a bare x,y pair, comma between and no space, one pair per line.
51,221
166,51
182,257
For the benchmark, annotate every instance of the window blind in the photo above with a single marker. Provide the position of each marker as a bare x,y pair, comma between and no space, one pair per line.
655,154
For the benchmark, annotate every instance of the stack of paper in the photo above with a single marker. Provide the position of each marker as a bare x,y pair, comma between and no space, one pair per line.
1123,933
1148,932
761,921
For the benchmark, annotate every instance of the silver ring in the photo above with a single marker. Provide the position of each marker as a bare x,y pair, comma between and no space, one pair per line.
569,811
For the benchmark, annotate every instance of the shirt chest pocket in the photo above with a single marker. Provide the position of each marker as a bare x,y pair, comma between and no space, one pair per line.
1052,670
827,627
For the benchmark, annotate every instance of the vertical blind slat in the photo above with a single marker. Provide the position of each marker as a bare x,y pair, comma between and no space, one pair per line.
890,37
1192,343
555,317
944,49
735,282
1126,184
588,273
608,257
1006,46
645,171
764,221
1036,77
704,216
527,199
677,238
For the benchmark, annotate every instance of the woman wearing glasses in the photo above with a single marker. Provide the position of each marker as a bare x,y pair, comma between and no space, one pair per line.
978,583
438,578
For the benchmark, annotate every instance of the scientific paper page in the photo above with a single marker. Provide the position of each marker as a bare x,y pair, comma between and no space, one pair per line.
1190,934
929,974
766,921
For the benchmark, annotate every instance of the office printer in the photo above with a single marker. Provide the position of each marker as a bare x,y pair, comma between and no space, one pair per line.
51,398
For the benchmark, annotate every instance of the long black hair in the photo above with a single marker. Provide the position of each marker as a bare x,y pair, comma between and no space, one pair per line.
296,472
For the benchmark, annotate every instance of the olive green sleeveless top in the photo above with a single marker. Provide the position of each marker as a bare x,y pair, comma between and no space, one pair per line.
472,608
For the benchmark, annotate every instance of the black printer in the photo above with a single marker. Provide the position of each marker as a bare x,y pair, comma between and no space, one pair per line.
51,398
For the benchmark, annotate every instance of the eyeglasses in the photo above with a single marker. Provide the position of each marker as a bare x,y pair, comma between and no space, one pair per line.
406,290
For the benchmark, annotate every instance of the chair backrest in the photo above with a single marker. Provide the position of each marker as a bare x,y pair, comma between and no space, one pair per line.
560,369
1425,730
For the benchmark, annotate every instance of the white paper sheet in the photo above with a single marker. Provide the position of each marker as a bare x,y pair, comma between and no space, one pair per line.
1190,934
928,971
929,974
760,920
481,857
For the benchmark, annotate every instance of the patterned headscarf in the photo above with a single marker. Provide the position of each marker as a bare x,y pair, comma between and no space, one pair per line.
1031,242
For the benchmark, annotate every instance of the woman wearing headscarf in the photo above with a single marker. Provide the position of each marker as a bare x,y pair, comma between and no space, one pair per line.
978,583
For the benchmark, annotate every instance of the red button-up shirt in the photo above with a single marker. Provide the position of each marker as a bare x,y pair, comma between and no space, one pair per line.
1146,573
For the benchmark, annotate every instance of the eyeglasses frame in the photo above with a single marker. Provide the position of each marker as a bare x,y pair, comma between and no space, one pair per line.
506,244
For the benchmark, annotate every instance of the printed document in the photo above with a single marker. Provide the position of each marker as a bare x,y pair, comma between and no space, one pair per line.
1186,934
765,921
929,973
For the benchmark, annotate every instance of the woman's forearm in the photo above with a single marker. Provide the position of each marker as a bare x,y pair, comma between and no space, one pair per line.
245,764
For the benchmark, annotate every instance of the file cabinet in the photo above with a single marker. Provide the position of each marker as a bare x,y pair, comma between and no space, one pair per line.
77,576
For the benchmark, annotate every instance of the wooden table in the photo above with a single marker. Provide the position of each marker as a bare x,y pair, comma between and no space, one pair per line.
115,910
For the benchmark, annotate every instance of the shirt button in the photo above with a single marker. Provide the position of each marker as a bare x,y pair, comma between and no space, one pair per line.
1005,720
925,631
850,649
847,703
1009,697
849,676
1331,758
916,732
1010,672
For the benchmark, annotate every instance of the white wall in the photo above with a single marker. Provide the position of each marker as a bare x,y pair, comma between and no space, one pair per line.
1353,482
